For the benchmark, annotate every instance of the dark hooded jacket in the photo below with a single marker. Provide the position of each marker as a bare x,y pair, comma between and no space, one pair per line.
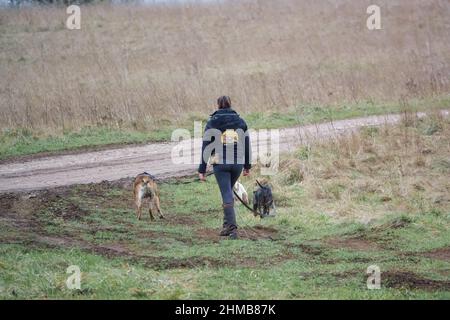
222,120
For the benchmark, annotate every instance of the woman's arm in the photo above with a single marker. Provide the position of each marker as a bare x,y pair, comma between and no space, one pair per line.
248,152
202,166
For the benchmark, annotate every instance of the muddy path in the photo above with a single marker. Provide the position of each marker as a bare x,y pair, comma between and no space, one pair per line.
118,163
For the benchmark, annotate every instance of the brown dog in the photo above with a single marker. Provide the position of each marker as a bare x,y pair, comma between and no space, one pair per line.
145,187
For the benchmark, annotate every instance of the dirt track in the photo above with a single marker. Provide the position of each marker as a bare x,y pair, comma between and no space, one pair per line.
118,163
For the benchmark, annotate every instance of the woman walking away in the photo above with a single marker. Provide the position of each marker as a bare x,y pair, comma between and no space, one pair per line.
226,141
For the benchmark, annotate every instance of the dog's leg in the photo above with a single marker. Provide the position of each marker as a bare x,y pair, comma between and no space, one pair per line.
260,209
158,208
150,211
255,205
139,212
138,203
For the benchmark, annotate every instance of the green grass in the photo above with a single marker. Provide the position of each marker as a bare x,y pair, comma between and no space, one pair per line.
297,263
318,247
21,142
24,142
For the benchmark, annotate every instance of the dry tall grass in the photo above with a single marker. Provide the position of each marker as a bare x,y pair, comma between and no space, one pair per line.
133,65
392,169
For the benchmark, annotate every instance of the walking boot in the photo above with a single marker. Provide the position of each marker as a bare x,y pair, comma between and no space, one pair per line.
227,230
230,225
233,235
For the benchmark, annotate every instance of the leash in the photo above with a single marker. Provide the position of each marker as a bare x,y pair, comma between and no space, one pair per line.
259,183
188,181
246,205
255,213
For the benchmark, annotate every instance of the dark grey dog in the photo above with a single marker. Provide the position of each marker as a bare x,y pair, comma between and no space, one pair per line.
263,200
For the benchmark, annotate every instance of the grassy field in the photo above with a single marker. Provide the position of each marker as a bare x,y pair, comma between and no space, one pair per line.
377,197
134,73
21,142
134,67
